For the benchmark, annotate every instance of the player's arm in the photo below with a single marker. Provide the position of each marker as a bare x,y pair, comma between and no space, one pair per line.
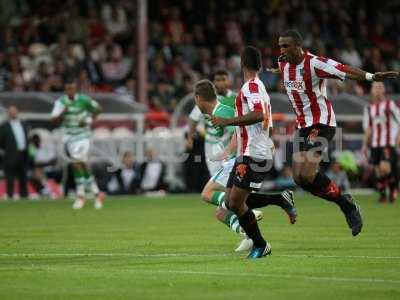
247,119
58,112
361,75
255,115
328,68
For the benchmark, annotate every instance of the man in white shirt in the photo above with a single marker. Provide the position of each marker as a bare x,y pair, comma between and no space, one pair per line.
14,142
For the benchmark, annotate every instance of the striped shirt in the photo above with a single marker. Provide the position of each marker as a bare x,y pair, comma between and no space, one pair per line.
305,86
383,119
254,140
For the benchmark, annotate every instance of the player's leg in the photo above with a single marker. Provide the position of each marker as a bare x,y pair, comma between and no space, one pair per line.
79,179
9,171
247,175
311,145
248,221
254,200
284,200
307,175
381,171
213,193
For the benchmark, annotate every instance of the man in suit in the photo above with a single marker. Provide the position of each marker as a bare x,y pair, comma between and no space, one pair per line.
14,142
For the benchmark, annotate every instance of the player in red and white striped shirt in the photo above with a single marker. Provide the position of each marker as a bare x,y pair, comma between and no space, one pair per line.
381,126
254,152
304,76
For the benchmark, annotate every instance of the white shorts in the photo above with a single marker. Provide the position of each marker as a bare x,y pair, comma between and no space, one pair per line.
77,149
222,175
210,152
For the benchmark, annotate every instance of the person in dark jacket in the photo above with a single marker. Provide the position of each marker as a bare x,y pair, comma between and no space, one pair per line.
14,142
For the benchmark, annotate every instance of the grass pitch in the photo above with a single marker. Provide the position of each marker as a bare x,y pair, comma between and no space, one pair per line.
173,248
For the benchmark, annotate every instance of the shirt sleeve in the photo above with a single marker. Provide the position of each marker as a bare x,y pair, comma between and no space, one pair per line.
395,111
57,109
366,119
195,114
92,104
328,68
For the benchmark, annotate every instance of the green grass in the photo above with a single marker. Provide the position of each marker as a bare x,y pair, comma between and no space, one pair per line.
173,248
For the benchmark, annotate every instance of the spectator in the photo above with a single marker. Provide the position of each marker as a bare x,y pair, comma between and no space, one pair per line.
153,172
42,160
126,180
14,142
336,174
285,180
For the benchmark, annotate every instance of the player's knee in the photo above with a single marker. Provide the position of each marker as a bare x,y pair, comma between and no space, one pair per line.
206,195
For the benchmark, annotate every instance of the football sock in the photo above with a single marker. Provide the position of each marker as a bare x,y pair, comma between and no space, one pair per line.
255,200
90,183
232,221
249,224
79,178
381,184
217,198
327,189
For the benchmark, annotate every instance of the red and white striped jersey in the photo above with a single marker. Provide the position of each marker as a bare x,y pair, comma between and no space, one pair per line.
383,119
305,85
254,140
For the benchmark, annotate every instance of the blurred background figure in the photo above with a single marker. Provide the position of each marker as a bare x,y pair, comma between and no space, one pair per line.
14,142
126,180
43,165
339,176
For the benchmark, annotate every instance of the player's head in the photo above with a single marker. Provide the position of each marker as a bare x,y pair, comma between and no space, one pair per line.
204,94
250,59
70,88
290,45
377,91
13,112
221,81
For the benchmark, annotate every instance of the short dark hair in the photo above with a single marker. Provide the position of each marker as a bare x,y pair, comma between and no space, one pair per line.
205,89
69,80
294,34
220,72
251,58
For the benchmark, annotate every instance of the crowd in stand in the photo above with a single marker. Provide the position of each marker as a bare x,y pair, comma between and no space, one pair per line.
44,42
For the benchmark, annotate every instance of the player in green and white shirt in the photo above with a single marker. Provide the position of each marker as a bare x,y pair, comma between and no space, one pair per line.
76,112
226,97
225,145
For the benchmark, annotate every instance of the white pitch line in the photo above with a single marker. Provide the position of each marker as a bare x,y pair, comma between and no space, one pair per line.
133,255
283,276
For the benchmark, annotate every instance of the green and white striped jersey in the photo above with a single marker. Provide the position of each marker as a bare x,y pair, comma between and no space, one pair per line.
218,136
79,110
229,99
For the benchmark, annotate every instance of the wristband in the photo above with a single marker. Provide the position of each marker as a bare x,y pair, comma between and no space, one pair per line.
369,76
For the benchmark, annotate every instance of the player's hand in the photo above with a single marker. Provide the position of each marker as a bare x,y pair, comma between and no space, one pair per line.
219,122
273,70
380,76
189,143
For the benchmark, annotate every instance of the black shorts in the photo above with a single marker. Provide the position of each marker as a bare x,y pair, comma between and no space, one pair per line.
316,137
388,154
249,173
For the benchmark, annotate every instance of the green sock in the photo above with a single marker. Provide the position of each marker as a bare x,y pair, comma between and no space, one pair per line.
217,198
90,183
79,178
232,221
